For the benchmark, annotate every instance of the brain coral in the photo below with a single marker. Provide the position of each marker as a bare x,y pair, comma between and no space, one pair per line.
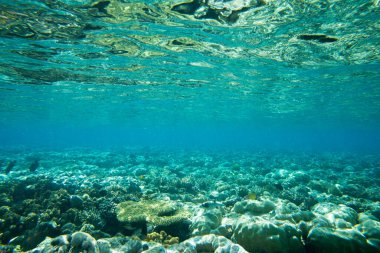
155,212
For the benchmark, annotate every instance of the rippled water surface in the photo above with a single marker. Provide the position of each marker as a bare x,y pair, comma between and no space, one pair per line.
201,65
190,126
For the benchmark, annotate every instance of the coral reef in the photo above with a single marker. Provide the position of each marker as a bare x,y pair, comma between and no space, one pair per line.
155,212
216,203
162,238
75,243
259,235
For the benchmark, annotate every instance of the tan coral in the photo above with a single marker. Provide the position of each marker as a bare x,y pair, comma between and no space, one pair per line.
162,238
155,212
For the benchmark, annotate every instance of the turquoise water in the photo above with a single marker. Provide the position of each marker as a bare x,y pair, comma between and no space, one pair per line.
71,70
209,104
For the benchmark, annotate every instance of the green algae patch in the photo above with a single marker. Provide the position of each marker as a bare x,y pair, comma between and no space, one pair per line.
155,212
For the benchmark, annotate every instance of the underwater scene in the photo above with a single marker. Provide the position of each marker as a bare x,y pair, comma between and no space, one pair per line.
189,126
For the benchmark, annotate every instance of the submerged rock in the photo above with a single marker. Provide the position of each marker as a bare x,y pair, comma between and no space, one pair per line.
207,221
32,237
259,235
254,206
209,243
104,246
75,243
335,214
83,242
369,226
341,240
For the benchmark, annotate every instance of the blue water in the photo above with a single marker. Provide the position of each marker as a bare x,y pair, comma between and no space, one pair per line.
75,74
249,115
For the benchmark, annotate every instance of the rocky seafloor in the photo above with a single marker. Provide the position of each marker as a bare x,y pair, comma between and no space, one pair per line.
147,200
